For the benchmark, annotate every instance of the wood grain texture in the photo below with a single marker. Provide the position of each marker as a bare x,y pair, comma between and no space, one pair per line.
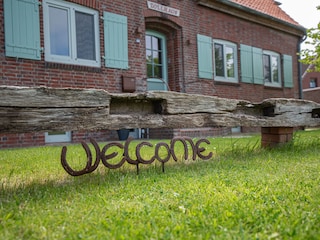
24,109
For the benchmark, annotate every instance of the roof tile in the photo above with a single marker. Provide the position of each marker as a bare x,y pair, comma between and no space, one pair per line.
269,7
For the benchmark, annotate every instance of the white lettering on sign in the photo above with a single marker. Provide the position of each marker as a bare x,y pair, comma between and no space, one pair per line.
164,9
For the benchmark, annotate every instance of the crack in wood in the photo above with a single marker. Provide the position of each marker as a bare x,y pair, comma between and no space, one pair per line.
24,109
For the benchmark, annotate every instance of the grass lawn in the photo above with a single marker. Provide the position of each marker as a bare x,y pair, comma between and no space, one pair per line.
243,192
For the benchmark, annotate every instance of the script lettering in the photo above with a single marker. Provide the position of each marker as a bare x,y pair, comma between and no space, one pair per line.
114,154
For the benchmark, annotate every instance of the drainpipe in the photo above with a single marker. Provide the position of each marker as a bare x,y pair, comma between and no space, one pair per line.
183,89
300,67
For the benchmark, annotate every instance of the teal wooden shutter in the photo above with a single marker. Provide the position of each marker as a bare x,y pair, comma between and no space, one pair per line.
116,41
22,29
287,71
257,66
246,63
205,65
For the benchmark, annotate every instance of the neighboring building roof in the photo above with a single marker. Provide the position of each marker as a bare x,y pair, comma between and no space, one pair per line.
269,7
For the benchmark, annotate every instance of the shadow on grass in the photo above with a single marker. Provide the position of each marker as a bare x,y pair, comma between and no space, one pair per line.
66,187
232,158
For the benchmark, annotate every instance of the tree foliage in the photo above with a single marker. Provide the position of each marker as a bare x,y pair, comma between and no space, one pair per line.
312,55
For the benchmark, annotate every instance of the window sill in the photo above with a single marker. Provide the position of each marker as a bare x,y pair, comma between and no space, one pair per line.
275,87
311,89
72,67
217,82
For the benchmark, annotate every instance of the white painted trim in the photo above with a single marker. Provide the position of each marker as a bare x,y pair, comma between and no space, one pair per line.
56,138
71,8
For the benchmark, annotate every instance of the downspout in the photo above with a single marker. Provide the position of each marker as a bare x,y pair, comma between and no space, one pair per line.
300,67
183,89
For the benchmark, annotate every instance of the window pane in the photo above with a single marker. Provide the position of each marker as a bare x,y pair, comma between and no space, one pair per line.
219,66
160,58
149,71
157,57
159,44
157,72
85,36
154,57
313,83
59,32
275,69
230,62
148,42
155,43
149,56
266,68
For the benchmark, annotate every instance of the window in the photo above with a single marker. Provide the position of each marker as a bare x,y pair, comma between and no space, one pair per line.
57,136
313,83
154,56
225,61
71,33
217,59
263,67
271,68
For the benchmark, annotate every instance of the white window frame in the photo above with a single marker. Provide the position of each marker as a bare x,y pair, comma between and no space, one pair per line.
72,58
226,44
313,83
273,83
57,137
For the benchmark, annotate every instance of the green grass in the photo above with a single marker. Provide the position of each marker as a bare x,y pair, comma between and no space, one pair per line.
244,192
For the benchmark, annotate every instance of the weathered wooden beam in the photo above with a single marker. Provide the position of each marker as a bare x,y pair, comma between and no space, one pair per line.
24,109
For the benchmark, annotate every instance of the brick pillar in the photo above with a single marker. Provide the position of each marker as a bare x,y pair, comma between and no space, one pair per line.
275,136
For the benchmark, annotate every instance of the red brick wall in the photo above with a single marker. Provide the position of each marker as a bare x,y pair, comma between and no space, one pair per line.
182,55
38,138
310,75
182,40
312,94
163,133
276,136
100,136
202,132
21,140
25,72
225,27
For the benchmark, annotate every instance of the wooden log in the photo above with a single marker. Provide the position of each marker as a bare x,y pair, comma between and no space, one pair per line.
42,97
24,109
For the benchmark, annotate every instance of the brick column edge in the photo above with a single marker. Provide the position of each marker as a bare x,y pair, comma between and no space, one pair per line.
274,136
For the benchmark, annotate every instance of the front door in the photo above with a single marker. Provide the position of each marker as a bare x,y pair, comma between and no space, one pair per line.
156,58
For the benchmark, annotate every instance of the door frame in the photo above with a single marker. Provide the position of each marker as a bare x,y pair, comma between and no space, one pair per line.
164,79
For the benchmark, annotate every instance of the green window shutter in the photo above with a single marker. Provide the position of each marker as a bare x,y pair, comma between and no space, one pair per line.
246,63
257,66
287,71
205,65
22,29
116,41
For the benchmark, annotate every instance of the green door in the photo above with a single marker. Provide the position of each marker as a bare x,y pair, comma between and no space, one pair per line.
156,59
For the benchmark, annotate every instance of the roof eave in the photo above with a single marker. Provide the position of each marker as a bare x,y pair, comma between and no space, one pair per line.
244,12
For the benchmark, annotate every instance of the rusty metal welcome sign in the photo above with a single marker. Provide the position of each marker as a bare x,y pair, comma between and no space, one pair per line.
162,152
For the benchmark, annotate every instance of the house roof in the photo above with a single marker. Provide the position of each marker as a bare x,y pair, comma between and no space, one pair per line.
269,7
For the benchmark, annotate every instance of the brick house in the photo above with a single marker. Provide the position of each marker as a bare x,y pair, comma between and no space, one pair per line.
310,83
242,49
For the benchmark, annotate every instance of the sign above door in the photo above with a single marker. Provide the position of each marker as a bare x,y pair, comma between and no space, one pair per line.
164,9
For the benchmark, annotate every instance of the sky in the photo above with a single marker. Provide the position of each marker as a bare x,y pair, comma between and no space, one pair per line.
303,11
